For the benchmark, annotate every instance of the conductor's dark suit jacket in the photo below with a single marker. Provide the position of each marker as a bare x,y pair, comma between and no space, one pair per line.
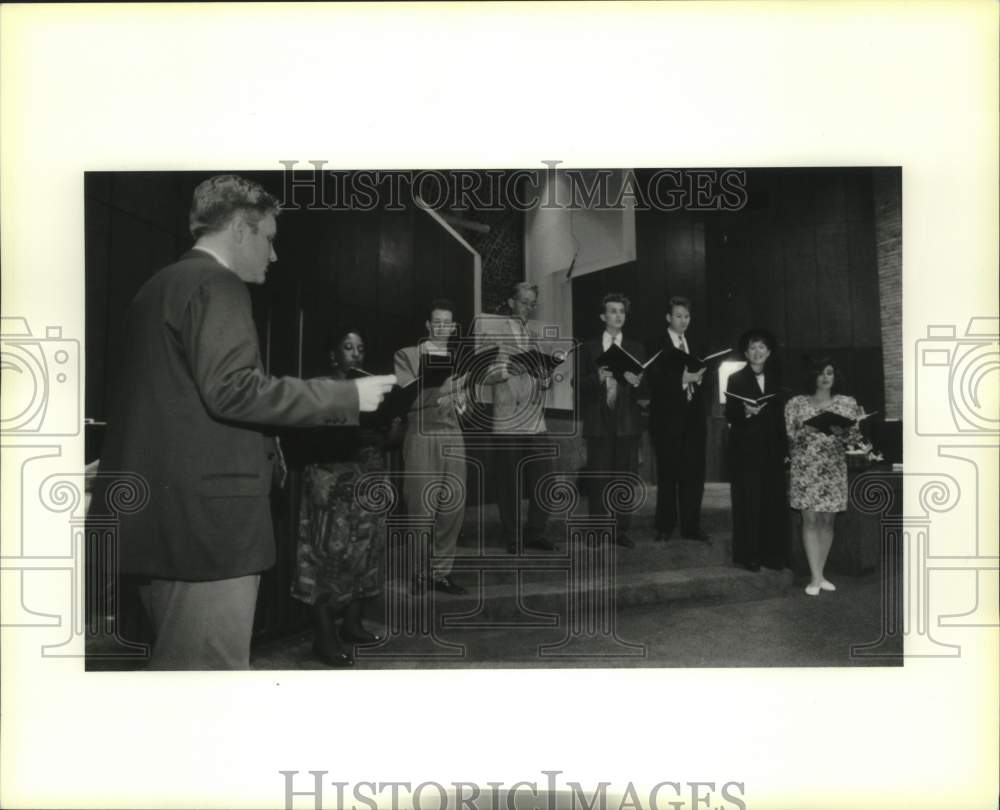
186,416
625,418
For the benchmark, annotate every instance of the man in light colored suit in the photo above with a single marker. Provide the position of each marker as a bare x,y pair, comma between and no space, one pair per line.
434,449
186,415
518,419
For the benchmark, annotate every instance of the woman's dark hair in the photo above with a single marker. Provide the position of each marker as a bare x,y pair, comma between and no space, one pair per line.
443,304
337,334
757,334
814,367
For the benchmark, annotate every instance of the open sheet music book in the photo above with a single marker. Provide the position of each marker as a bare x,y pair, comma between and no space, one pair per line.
532,361
401,397
755,402
618,360
826,420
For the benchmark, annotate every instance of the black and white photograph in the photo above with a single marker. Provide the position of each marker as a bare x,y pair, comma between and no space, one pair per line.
492,512
500,406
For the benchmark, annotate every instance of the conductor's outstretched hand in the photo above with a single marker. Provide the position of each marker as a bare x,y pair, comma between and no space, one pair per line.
372,389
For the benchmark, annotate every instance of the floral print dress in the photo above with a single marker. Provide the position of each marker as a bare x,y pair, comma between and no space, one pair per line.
341,544
819,466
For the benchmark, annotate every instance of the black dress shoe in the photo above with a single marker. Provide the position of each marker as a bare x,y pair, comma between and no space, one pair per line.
358,635
699,535
447,585
541,544
333,657
624,541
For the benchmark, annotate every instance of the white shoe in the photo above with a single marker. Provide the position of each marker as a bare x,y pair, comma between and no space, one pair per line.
826,585
812,590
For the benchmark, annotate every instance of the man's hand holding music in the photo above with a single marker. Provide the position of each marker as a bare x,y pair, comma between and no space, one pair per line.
632,379
692,377
371,390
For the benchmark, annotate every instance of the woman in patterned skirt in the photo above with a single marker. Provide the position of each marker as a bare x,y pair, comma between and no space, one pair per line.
819,466
341,543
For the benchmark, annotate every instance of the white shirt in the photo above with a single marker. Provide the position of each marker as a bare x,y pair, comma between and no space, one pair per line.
681,345
679,341
760,381
213,254
429,347
607,340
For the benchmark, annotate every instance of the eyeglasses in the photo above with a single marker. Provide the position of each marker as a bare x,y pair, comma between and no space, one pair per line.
529,304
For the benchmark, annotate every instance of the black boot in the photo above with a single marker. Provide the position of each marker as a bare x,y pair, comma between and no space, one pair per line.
326,647
352,629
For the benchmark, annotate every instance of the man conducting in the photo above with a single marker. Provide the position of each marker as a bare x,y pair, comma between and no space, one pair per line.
186,415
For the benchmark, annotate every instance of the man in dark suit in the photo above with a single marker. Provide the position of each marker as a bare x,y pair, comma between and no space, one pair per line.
610,411
677,427
191,396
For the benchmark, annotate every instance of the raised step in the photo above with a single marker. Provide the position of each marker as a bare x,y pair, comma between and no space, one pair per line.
536,587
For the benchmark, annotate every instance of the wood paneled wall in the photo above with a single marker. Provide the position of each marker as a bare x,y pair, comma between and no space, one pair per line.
376,271
799,259
373,271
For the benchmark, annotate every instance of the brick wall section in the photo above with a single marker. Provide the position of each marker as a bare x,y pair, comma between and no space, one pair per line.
502,252
887,192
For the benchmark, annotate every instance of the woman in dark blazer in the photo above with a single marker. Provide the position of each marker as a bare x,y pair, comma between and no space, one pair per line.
757,446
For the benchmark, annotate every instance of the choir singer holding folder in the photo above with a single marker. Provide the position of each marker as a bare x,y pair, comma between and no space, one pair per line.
757,447
820,424
434,448
677,428
518,418
611,372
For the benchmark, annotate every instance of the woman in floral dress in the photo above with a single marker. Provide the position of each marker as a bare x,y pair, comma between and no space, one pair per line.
819,467
341,543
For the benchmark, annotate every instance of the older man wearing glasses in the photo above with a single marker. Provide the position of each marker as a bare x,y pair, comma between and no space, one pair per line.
518,421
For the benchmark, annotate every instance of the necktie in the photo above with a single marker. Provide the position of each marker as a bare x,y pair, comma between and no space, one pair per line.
689,390
611,389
